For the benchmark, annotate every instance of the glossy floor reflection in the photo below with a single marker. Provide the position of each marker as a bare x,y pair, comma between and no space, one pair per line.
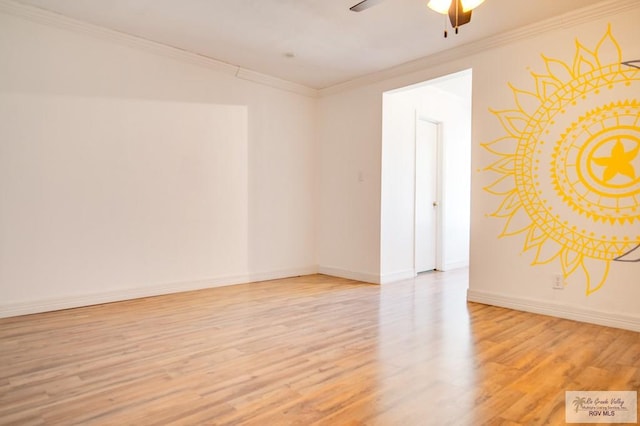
302,351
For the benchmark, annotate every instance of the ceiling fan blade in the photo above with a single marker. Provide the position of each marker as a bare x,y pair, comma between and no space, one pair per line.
365,4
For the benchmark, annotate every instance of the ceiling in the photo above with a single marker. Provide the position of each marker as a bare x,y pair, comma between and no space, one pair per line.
316,43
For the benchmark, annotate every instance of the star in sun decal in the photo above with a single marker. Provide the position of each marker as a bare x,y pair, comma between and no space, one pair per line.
568,165
619,162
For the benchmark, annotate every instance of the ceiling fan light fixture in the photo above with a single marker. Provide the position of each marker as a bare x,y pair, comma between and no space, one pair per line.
442,6
468,5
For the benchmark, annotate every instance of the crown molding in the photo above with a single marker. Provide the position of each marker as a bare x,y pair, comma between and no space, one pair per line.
603,9
46,17
275,82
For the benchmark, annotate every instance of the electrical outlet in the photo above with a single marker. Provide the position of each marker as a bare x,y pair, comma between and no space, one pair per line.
558,282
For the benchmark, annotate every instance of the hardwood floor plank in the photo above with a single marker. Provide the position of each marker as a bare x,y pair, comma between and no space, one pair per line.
313,350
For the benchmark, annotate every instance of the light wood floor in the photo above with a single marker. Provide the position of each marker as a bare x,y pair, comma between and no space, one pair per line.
305,351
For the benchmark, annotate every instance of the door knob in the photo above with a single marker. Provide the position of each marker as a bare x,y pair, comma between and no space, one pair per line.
435,204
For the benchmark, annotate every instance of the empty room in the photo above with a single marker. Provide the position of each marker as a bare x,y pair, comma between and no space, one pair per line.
319,212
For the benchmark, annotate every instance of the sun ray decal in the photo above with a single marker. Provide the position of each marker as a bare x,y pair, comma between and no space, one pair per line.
568,165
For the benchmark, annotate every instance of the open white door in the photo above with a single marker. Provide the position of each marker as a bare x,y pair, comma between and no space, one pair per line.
426,196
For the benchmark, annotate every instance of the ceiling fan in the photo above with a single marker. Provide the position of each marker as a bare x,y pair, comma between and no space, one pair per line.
365,4
459,11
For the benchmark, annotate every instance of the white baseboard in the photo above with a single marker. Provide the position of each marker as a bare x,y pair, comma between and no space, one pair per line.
352,275
609,319
407,274
282,273
38,306
456,265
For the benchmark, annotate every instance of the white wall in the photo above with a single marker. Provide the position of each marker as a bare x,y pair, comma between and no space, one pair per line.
125,172
500,272
453,111
349,185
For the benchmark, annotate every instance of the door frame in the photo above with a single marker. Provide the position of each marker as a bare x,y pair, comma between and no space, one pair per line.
439,191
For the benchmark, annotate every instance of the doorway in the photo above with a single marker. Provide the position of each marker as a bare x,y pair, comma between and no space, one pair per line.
410,115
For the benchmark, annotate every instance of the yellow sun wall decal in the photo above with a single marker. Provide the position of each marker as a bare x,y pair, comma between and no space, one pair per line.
568,164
